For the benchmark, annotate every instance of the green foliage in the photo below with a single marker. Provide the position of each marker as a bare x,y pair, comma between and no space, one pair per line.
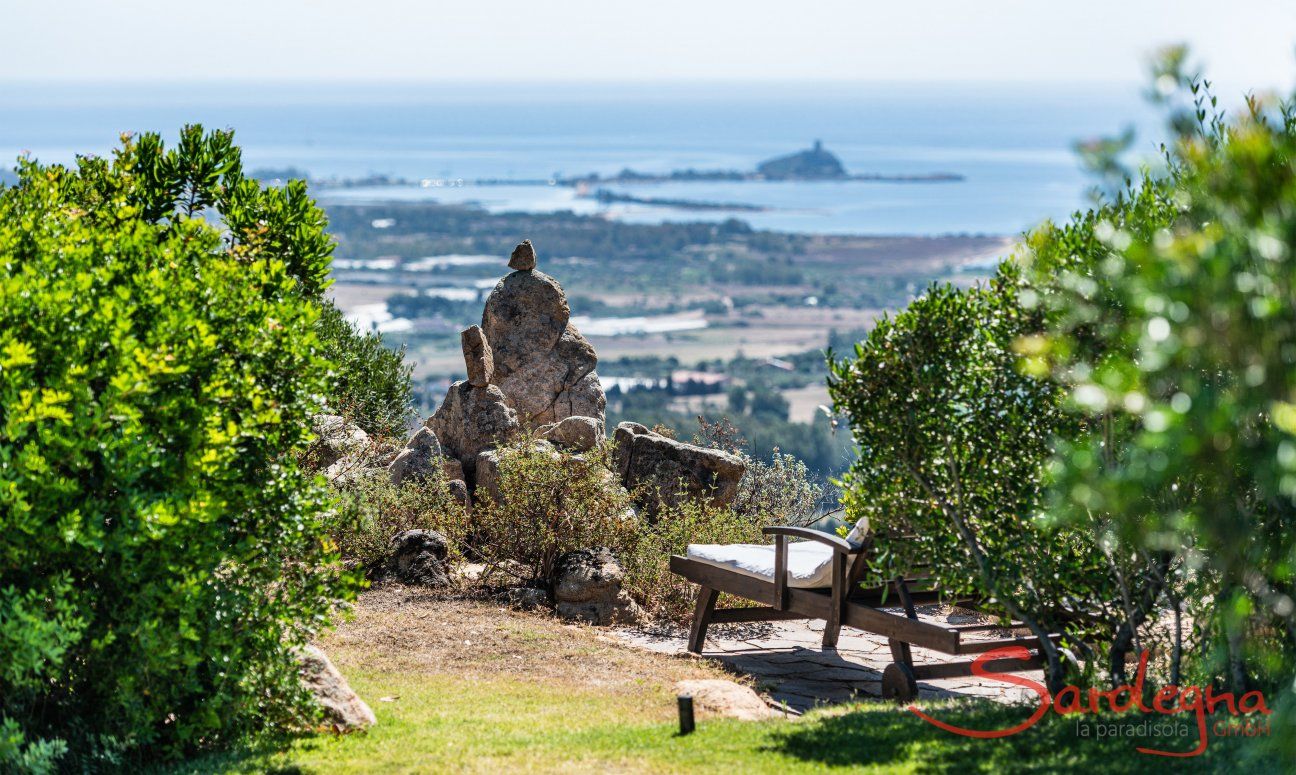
646,560
779,490
1195,312
370,383
35,757
953,439
160,552
550,503
371,510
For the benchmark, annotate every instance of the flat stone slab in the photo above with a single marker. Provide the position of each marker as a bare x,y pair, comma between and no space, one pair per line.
789,664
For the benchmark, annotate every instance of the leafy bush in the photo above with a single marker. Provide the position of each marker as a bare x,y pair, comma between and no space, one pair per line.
953,440
370,383
780,491
646,560
1198,330
371,510
552,502
160,552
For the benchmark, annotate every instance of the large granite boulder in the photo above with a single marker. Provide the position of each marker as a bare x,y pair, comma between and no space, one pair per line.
587,588
542,363
666,468
418,557
344,711
470,420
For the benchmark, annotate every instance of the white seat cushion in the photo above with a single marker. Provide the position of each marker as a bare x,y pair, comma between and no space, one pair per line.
809,563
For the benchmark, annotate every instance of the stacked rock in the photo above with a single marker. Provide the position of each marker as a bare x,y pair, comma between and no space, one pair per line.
542,363
474,416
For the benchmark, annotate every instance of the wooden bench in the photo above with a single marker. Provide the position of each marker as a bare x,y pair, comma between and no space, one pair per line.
846,602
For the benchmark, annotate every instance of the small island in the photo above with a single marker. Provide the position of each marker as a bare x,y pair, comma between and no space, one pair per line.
812,164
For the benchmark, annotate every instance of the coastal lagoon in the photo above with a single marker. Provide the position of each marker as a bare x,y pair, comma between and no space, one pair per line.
1011,143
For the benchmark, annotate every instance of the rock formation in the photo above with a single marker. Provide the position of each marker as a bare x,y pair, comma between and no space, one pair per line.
477,356
661,466
343,709
543,365
473,418
587,587
336,438
524,257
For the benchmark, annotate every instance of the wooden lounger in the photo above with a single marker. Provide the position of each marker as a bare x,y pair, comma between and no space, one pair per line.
843,601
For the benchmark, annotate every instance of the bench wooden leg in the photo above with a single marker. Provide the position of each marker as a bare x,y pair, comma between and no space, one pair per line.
832,627
706,601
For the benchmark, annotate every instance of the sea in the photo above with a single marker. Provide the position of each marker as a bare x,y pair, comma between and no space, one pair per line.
1011,143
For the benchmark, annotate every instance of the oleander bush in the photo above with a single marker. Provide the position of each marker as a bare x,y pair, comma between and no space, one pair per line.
161,554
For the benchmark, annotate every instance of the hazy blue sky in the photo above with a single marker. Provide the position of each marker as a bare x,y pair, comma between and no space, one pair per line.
1244,42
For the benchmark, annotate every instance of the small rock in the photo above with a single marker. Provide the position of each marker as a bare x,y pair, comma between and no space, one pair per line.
487,468
524,257
336,438
526,598
452,468
343,708
459,491
726,698
419,557
576,433
415,461
587,587
477,356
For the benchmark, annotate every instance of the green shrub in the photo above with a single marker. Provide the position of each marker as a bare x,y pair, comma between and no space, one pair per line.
551,502
780,491
160,552
371,510
646,560
370,383
1198,330
953,442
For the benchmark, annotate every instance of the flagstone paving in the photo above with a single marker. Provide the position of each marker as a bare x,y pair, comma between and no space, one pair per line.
789,664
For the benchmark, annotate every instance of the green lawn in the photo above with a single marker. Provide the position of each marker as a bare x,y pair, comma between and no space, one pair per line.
510,724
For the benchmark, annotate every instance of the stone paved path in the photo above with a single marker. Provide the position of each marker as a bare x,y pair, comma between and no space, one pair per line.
790,665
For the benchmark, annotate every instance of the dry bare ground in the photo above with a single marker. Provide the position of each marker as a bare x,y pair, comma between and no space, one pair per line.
408,630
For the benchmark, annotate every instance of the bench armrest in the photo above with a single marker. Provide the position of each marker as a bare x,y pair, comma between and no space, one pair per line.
810,534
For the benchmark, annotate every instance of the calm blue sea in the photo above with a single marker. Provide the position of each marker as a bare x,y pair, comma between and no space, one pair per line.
1011,142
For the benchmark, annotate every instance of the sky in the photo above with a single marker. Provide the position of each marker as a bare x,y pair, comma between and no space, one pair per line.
1244,43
